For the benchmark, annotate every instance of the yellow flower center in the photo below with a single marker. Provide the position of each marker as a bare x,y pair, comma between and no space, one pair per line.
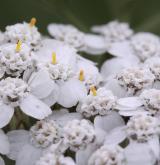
93,90
81,75
18,46
32,22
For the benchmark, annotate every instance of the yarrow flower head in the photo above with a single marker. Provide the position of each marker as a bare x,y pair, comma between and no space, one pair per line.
78,134
68,34
99,103
145,45
142,127
15,58
26,32
151,100
154,65
108,155
12,90
114,31
59,71
135,79
44,133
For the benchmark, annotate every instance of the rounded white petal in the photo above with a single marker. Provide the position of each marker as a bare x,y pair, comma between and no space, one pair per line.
6,113
139,154
4,143
95,44
28,155
109,122
34,107
17,139
71,92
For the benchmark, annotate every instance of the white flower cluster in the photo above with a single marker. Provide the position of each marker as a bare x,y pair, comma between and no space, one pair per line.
45,133
59,108
108,155
142,127
78,134
101,104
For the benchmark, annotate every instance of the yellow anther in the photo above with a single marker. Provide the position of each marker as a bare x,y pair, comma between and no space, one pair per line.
18,46
32,22
54,59
81,75
93,90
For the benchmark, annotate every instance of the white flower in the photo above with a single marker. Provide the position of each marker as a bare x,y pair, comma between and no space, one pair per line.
14,93
2,37
145,45
78,134
151,100
108,155
53,159
100,104
131,81
154,65
114,31
15,62
44,133
68,34
27,146
142,127
24,32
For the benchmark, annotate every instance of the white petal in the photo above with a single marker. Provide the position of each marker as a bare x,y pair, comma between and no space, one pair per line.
139,154
1,161
6,113
121,49
115,136
17,139
28,155
154,145
82,156
4,143
41,85
114,86
129,103
95,44
109,122
34,107
53,97
132,112
71,92
107,68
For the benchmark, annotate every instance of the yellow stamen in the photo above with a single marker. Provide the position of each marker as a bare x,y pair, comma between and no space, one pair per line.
32,22
18,46
93,90
54,59
81,75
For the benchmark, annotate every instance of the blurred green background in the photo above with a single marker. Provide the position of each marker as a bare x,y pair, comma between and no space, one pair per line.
143,15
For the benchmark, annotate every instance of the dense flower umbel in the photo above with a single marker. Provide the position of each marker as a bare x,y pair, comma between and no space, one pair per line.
44,133
135,79
12,90
25,32
143,127
114,31
14,62
101,104
151,100
78,134
108,155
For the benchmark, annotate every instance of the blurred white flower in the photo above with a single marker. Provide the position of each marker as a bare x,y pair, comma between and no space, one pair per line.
114,31
130,81
99,103
26,32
